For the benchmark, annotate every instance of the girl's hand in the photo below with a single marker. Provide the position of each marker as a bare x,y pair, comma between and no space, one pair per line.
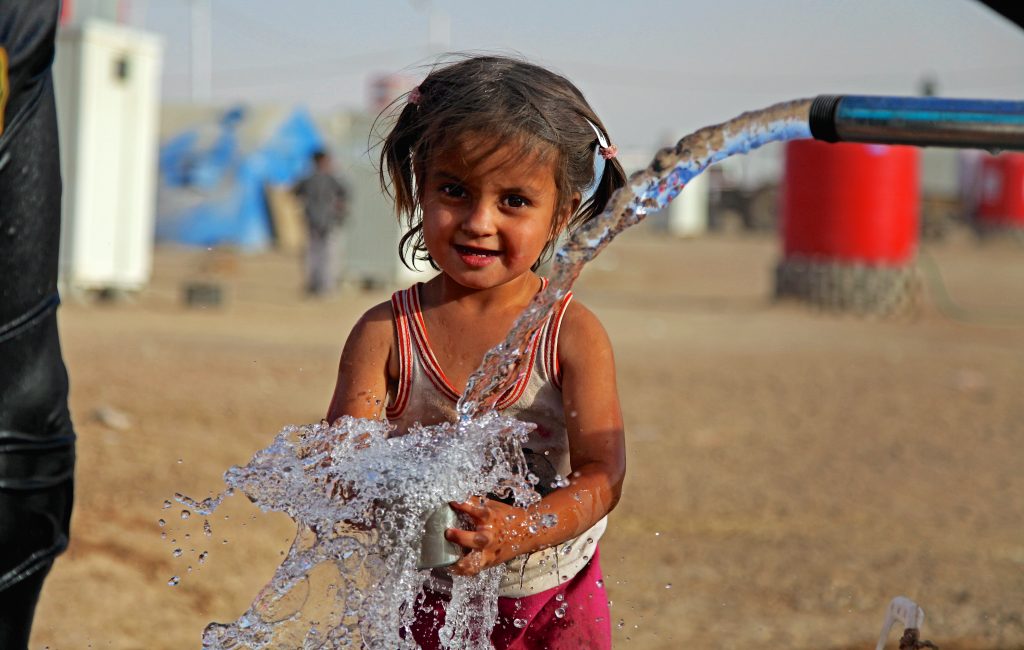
498,535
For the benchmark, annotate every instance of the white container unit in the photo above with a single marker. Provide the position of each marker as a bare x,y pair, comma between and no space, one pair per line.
107,85
688,212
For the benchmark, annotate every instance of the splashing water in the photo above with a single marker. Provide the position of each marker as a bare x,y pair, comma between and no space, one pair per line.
360,498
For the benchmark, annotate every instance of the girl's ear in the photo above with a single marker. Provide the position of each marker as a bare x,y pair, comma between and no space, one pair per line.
565,215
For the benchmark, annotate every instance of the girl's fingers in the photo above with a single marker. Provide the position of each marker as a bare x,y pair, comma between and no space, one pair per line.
475,508
470,539
467,566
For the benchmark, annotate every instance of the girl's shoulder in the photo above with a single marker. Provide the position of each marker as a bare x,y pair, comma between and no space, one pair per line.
371,342
373,330
580,332
378,317
579,318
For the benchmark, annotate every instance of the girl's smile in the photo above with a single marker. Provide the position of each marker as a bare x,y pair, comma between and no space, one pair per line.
476,257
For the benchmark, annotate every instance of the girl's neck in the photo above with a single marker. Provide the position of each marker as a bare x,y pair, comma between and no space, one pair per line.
515,293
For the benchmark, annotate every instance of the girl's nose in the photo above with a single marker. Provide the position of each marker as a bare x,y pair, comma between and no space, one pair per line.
479,222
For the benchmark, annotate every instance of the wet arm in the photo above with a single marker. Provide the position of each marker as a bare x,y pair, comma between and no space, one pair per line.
364,369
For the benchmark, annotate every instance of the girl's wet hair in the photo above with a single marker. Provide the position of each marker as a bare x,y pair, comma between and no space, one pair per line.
505,100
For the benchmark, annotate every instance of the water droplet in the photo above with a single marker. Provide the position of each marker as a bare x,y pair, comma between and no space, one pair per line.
206,528
180,461
185,514
668,585
519,622
560,597
162,522
176,552
173,582
560,612
657,534
203,556
621,624
600,584
167,504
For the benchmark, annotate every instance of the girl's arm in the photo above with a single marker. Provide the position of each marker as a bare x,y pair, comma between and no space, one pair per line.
367,364
596,447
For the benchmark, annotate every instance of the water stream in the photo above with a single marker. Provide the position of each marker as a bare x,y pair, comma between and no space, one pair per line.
359,497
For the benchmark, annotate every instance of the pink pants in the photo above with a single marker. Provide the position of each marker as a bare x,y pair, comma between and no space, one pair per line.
584,622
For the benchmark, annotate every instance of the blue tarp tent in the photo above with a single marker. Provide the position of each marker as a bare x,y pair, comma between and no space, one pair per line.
214,196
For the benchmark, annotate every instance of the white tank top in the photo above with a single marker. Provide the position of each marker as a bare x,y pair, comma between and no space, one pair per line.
425,395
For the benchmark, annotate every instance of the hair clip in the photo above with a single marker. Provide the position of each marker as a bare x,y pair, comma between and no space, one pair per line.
415,96
607,151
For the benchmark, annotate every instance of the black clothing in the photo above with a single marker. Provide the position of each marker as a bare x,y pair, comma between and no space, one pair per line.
37,452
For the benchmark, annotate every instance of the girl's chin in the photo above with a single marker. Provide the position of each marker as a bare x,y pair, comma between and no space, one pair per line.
476,280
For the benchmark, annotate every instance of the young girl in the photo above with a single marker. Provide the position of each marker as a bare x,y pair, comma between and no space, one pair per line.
490,159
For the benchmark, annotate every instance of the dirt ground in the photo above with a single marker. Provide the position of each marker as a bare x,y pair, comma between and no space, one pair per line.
790,471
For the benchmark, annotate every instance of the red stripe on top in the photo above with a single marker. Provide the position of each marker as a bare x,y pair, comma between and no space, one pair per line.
551,343
430,363
401,400
516,391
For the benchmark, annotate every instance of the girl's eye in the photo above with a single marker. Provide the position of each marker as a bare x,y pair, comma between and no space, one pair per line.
453,190
516,201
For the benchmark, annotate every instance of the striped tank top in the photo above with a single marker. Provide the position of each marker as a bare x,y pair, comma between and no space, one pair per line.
424,395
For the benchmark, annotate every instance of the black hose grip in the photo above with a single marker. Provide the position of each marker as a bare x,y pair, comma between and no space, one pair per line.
823,117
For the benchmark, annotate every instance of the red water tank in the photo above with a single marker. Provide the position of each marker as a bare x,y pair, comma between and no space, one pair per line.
1002,190
851,202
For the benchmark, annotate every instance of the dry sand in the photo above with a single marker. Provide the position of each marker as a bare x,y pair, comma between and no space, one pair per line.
789,471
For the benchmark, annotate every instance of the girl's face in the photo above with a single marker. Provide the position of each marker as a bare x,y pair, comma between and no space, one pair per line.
486,220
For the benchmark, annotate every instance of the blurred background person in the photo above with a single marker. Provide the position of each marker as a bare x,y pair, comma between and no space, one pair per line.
325,200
